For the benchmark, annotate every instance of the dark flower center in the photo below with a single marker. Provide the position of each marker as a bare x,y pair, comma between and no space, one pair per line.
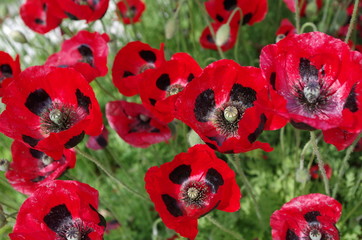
130,13
59,117
90,3
46,160
146,67
74,230
5,72
315,234
195,194
227,117
174,89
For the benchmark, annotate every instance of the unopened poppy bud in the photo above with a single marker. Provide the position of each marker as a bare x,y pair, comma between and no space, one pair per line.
311,10
222,35
170,28
4,165
194,138
302,175
18,36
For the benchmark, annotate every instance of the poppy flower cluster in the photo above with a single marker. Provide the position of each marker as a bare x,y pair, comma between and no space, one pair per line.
313,216
60,210
9,68
43,16
320,78
231,13
130,11
190,186
86,52
50,109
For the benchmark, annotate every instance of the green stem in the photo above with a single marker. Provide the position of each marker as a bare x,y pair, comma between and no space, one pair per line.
224,229
247,184
349,214
353,21
325,15
344,164
297,16
309,24
100,166
320,162
105,90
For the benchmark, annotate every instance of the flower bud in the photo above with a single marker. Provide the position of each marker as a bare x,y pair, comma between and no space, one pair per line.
222,35
170,28
18,36
302,175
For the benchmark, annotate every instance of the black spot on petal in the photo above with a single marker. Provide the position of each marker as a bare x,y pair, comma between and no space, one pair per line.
172,205
57,217
83,101
148,56
291,235
101,141
102,220
38,179
163,82
74,140
87,54
212,146
204,105
35,153
312,216
38,101
307,71
29,140
214,178
209,38
218,139
190,77
230,4
247,17
180,174
351,102
152,101
71,16
39,21
155,130
219,18
127,74
6,70
253,136
242,94
302,126
272,79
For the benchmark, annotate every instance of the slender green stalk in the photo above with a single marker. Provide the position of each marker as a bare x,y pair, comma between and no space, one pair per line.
320,162
247,184
297,16
114,179
309,24
105,90
344,165
224,229
353,21
323,25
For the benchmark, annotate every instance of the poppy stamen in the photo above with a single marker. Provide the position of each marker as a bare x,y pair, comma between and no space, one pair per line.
312,92
174,89
315,234
73,234
46,160
231,113
194,194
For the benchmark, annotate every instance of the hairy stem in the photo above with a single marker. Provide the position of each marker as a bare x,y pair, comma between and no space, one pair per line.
353,21
224,229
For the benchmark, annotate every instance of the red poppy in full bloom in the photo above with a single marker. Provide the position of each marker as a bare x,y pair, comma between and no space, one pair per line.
40,16
160,90
190,186
30,168
60,210
9,69
130,11
135,124
320,78
291,5
253,11
98,142
313,216
314,171
131,64
225,107
86,52
50,109
89,10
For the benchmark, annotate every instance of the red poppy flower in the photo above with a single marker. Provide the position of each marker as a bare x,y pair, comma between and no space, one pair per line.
89,10
207,41
40,15
30,168
131,63
98,142
9,69
135,124
190,186
311,216
291,5
314,171
60,210
130,11
50,109
225,107
340,138
86,52
253,11
320,79
286,28
160,89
